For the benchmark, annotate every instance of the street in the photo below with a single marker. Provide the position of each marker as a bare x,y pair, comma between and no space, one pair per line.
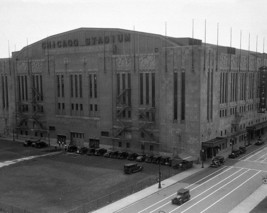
213,190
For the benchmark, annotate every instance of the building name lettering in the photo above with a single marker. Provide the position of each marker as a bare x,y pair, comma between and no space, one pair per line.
94,40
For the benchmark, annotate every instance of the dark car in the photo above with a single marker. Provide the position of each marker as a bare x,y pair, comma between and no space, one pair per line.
107,154
140,158
123,155
242,150
149,158
91,151
82,150
132,156
130,168
234,154
41,144
114,154
156,159
29,142
219,158
183,165
183,195
72,148
100,152
259,142
215,164
164,160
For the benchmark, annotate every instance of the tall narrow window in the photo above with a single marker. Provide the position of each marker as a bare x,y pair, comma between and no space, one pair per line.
147,88
58,86
118,84
95,85
26,88
90,86
129,89
141,89
71,85
183,96
3,92
62,86
211,97
208,97
76,86
41,87
123,88
175,101
153,90
37,87
6,93
22,85
81,86
19,89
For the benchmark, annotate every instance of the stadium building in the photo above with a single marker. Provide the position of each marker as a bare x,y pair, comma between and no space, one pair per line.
134,91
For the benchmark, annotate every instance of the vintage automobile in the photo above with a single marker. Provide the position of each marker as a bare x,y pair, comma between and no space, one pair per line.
130,168
182,196
72,148
100,152
259,142
234,154
183,164
242,149
219,158
40,144
30,142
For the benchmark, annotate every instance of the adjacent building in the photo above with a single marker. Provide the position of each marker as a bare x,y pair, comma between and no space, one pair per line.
135,91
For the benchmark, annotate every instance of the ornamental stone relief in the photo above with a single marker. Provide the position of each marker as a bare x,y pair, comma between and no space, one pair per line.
147,62
123,62
37,66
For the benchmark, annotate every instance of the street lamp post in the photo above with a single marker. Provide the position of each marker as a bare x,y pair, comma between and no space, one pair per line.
159,176
202,157
232,143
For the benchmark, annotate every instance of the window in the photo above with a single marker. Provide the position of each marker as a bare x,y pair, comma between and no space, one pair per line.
141,89
151,148
143,146
96,107
119,144
81,107
105,133
128,145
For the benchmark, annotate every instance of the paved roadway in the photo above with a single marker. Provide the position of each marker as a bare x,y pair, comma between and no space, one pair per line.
213,190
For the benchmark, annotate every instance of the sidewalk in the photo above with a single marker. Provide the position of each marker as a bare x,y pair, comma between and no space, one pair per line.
120,204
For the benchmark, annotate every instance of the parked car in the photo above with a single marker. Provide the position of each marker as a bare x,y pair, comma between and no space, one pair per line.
91,151
219,158
114,154
183,165
259,142
149,158
183,195
132,168
123,155
41,144
107,154
29,142
100,152
164,160
156,159
132,156
234,154
215,164
82,150
72,148
141,158
242,150
168,162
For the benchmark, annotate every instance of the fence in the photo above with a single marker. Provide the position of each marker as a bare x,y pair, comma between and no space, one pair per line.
119,194
5,208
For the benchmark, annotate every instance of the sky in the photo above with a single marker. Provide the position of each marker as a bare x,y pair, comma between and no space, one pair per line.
24,22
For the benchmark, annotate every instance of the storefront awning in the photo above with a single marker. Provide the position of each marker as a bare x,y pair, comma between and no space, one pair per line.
214,142
257,126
